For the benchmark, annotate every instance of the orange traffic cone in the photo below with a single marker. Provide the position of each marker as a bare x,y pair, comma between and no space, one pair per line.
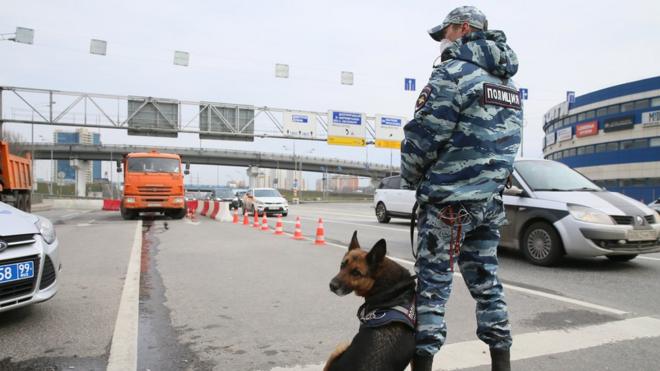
278,226
235,221
246,219
297,235
256,219
320,233
264,223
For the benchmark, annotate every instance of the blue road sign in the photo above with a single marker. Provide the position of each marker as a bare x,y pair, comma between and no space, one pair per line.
409,84
570,97
523,93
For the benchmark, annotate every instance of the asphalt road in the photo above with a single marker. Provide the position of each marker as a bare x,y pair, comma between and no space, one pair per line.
219,296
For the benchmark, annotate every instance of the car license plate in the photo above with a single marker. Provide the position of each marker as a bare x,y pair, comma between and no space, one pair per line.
154,204
16,271
642,235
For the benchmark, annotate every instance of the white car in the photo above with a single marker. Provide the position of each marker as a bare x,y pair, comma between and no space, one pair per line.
554,211
265,199
29,259
390,201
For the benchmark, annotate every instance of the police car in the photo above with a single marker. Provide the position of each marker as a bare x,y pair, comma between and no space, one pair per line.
29,259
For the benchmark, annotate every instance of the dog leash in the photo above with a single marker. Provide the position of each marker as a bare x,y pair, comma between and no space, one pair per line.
413,219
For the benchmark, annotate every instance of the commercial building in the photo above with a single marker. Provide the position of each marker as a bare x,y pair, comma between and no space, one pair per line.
80,136
612,136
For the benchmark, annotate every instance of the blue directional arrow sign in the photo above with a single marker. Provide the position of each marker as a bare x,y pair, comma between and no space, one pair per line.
523,93
409,84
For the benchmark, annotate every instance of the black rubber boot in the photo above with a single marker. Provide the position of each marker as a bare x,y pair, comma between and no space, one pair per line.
500,359
421,363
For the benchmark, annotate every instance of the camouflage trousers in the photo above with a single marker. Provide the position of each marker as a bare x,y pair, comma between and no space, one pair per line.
477,260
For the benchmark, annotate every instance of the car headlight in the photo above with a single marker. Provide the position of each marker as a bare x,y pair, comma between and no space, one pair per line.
656,215
46,229
178,200
260,203
130,200
589,215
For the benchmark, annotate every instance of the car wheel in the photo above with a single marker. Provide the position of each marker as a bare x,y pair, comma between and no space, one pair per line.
541,244
381,213
622,258
284,214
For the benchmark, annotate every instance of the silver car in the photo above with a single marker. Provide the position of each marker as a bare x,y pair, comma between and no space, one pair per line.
553,210
29,259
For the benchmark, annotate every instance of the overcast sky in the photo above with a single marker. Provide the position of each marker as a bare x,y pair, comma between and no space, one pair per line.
234,45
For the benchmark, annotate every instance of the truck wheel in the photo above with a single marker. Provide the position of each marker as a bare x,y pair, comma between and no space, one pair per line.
28,203
381,213
20,202
541,244
622,258
127,214
176,214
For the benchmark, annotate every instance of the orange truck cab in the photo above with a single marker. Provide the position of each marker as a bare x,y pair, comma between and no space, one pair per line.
15,179
153,182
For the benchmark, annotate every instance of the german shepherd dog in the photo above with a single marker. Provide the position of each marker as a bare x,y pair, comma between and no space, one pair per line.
386,339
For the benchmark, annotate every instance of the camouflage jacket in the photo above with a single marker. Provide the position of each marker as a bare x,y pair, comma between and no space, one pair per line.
461,144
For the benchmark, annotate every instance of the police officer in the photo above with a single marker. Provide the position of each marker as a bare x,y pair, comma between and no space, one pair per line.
457,153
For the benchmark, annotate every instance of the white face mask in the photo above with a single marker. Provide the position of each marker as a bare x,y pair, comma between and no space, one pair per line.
444,44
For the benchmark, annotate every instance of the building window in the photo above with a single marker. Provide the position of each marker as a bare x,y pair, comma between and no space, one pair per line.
557,155
634,144
601,148
627,107
641,104
572,119
655,102
586,150
613,109
655,142
591,114
611,147
582,116
570,152
601,112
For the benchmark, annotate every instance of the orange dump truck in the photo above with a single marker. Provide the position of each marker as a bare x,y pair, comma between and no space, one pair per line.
15,179
153,182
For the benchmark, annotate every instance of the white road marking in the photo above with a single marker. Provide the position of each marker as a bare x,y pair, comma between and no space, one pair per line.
405,230
542,294
66,216
350,215
470,354
123,349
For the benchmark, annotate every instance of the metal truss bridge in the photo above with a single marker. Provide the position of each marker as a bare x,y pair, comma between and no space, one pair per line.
216,157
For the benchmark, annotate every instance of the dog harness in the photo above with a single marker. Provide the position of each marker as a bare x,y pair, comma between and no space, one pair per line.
384,316
396,304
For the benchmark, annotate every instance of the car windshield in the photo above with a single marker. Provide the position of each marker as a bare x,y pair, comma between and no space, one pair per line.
153,164
553,176
267,193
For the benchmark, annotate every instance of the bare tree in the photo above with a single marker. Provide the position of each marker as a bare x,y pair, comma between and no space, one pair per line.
17,144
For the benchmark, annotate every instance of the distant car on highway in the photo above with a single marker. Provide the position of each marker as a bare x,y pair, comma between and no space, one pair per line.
265,199
239,194
226,195
29,259
390,201
553,211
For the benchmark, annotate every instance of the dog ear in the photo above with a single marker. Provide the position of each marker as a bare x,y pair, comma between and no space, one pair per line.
377,253
354,242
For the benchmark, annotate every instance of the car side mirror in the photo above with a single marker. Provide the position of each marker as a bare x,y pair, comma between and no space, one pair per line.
119,166
513,191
